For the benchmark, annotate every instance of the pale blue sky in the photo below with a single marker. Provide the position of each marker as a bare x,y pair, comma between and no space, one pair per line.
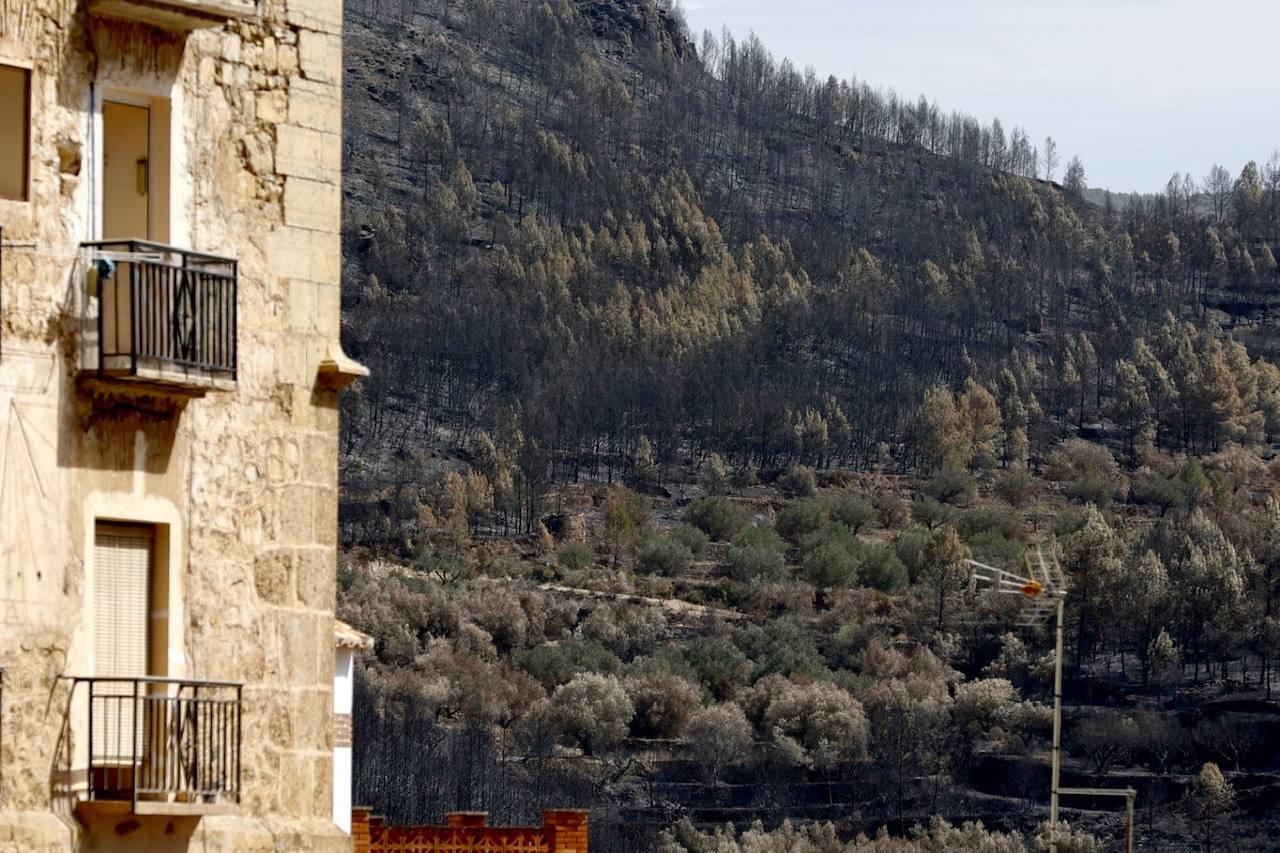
1138,89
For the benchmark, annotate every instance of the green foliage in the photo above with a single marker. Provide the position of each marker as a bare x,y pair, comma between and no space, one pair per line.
755,562
1091,489
800,518
347,576
852,510
576,556
881,569
785,647
798,482
556,663
718,517
1015,486
1156,489
891,511
931,512
693,538
664,556
909,547
1068,522
831,564
992,548
717,665
952,486
977,521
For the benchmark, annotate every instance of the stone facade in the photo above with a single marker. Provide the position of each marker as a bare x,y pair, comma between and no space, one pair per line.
242,481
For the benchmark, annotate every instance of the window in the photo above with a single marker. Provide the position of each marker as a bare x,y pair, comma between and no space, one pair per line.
15,131
123,560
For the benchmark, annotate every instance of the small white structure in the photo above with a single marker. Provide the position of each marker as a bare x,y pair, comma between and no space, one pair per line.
347,642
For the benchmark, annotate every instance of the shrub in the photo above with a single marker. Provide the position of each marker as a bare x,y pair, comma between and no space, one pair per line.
854,511
692,538
714,476
664,556
932,513
1091,489
1150,487
977,521
785,647
820,718
761,536
593,709
719,736
718,664
890,510
799,518
951,485
830,564
798,482
1015,486
555,663
908,548
756,562
881,569
720,518
994,549
1091,472
663,703
576,556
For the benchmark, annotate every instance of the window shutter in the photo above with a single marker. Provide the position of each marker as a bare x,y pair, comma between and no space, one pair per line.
122,560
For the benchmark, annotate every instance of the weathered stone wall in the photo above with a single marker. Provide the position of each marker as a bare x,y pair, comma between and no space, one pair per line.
247,477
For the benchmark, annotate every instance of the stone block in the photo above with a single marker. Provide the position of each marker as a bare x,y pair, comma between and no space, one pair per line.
311,204
272,106
273,576
316,574
320,55
307,153
303,297
302,253
322,15
297,785
298,651
315,105
328,311
297,514
327,517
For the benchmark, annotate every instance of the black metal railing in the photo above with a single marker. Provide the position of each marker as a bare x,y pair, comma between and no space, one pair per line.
162,739
161,308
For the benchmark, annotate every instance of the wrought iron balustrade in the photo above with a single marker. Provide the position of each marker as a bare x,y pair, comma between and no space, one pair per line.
154,741
162,314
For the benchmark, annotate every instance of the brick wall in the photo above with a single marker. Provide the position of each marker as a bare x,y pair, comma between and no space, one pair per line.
562,831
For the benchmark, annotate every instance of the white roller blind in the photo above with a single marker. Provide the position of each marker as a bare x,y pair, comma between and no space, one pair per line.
122,560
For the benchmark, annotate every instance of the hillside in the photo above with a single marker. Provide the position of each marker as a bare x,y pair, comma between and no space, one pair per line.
563,220
696,380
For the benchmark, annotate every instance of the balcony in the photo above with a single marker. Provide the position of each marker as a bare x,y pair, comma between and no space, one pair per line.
159,746
176,14
159,317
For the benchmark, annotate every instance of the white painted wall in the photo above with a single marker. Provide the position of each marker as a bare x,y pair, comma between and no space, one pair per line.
343,682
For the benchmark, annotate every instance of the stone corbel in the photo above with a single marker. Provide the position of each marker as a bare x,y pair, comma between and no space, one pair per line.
338,370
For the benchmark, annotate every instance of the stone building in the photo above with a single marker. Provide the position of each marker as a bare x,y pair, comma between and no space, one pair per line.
169,378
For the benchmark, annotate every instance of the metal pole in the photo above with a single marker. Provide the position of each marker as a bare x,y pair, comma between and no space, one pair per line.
1057,729
1130,795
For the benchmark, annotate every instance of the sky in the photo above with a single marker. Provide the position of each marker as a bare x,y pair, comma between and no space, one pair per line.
1138,89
